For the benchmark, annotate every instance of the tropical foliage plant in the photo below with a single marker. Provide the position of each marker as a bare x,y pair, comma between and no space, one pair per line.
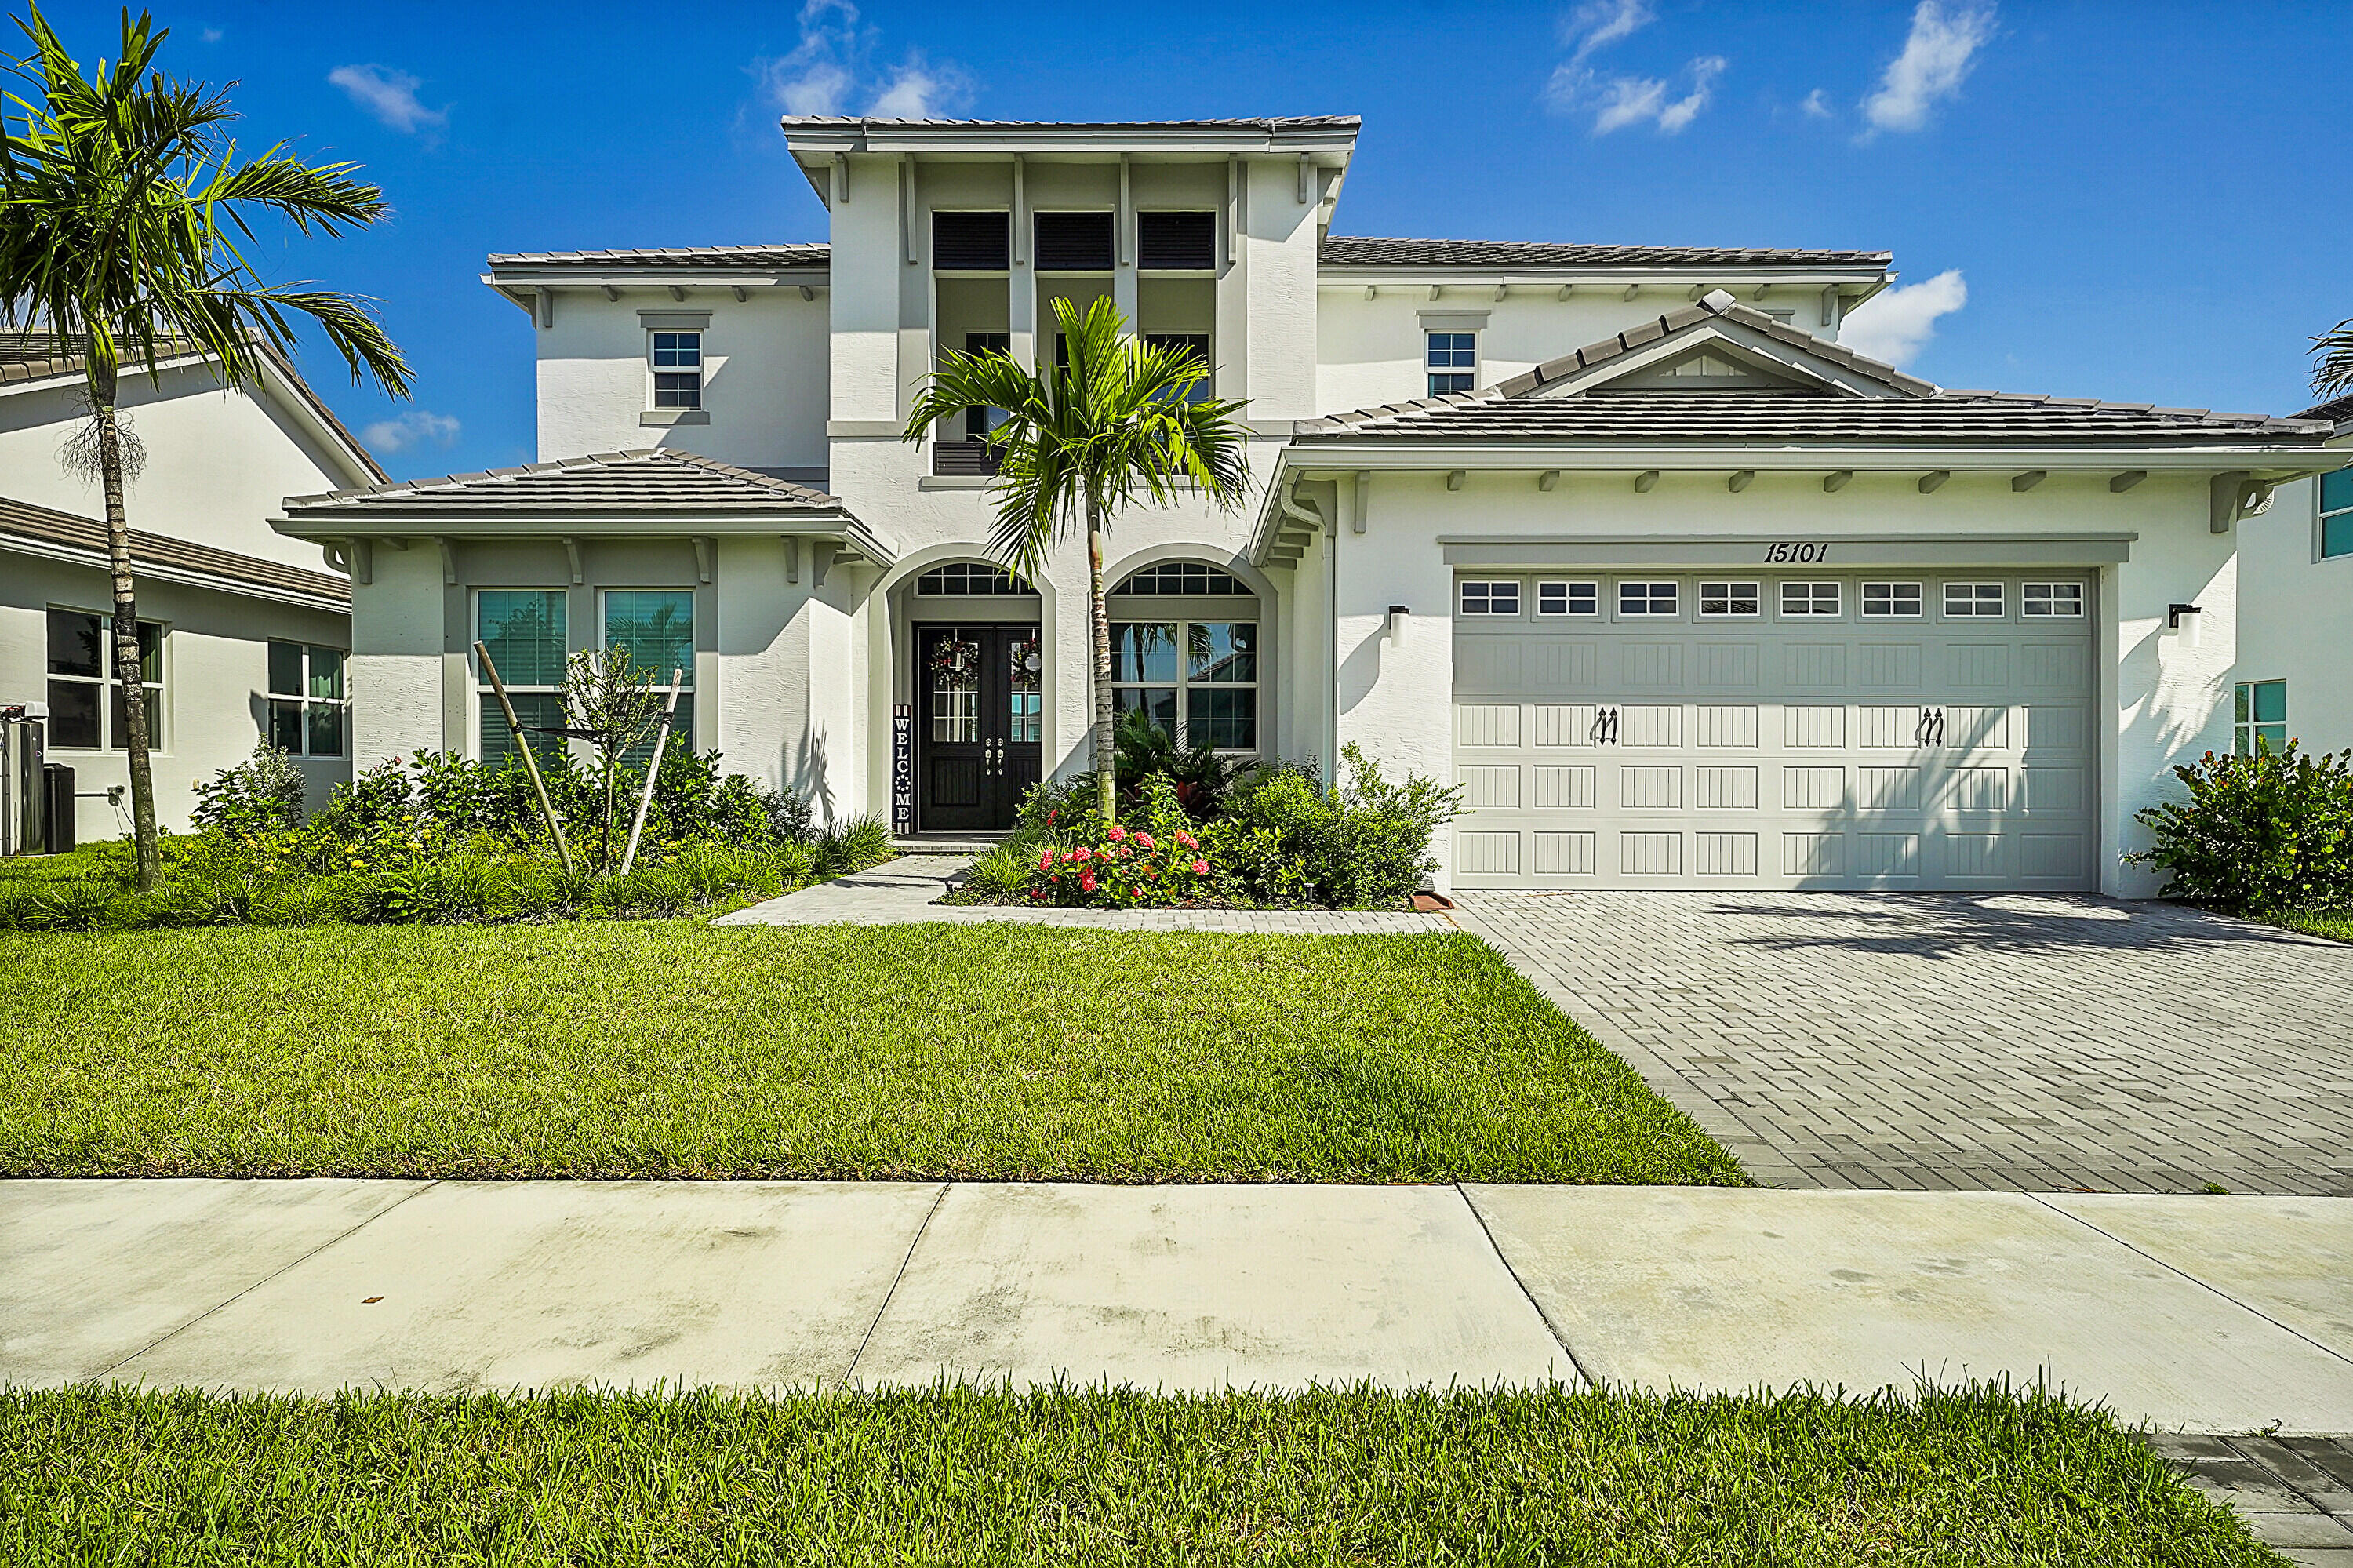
2268,833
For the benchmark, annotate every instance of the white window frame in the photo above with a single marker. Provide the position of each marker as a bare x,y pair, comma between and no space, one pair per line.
1895,594
486,700
2244,731
656,370
158,730
2323,514
1492,593
1184,685
2062,602
1801,598
302,702
1970,610
1432,372
1733,594
1567,591
1649,598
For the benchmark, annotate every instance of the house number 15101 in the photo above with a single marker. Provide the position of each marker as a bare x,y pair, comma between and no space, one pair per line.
1801,554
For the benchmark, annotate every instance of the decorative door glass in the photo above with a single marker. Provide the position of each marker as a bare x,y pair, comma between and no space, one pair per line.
955,687
1025,722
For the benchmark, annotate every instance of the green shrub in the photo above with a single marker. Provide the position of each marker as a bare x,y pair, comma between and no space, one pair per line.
2264,833
261,794
1365,843
852,845
1153,860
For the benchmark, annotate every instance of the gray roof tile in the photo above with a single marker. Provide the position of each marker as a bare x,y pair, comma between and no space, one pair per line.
1277,122
24,520
710,256
666,483
1353,250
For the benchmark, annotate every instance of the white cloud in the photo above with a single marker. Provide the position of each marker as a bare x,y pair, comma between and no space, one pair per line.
389,95
416,428
1617,101
1817,105
1598,24
211,34
833,67
1897,324
1936,56
1684,109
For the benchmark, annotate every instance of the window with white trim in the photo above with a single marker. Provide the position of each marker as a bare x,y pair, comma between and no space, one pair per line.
87,708
1730,598
1569,598
2336,514
1206,671
965,579
525,629
655,627
1491,599
1453,360
678,370
2259,716
1810,598
1964,601
2064,601
1891,599
308,704
1646,598
1182,578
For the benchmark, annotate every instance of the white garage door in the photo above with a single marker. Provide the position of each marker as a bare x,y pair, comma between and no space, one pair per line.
1820,730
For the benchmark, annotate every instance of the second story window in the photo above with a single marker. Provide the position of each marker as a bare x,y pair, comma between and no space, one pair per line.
1195,344
2336,514
1453,361
678,369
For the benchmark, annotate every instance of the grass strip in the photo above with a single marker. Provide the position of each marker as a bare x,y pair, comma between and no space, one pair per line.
1092,1475
676,1049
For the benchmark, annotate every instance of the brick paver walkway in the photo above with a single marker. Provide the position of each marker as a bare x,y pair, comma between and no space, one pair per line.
1916,1040
2295,1493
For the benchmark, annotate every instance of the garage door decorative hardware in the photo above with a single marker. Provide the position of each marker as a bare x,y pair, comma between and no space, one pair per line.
1930,730
1605,727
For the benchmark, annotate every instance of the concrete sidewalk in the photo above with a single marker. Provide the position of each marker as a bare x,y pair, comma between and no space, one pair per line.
2205,1314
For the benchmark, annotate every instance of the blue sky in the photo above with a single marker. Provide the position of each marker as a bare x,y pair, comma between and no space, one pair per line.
2125,201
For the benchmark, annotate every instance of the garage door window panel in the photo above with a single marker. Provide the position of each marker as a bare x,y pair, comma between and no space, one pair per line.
1895,602
2063,601
1725,600
1492,598
1569,598
1811,599
1973,601
1649,599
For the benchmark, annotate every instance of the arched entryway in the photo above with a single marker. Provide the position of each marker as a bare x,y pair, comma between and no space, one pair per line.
979,695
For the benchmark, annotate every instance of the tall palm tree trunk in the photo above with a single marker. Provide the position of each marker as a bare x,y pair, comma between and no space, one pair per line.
130,670
1099,608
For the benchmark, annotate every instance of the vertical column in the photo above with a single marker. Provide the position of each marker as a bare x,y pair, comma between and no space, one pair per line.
1122,274
1021,279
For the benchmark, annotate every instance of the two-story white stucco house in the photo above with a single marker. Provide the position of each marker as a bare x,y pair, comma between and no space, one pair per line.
2296,607
1683,592
246,629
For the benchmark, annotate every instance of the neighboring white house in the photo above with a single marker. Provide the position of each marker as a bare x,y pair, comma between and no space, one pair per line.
246,628
2296,607
1682,592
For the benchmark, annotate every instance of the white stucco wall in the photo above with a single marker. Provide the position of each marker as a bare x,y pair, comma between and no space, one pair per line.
2295,617
216,682
219,464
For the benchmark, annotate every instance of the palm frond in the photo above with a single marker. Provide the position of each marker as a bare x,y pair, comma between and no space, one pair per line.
2332,352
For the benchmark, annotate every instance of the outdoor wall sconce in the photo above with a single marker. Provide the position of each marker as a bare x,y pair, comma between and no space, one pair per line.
2173,622
1396,621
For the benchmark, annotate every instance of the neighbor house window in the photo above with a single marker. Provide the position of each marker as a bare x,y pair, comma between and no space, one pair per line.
307,700
2062,599
2336,514
1491,599
1890,598
1646,598
1206,671
2259,716
1453,361
655,628
524,631
678,369
1569,598
1810,598
1967,599
86,712
1729,598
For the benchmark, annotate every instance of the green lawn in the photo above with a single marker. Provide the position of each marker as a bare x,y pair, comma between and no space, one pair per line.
672,1048
1092,1477
2336,923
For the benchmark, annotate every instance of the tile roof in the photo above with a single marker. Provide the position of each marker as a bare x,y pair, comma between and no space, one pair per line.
674,256
1517,410
1353,250
1277,122
647,481
2337,410
21,520
40,355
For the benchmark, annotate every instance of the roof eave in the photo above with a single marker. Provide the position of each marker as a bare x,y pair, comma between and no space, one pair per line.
1109,139
151,570
341,520
1599,275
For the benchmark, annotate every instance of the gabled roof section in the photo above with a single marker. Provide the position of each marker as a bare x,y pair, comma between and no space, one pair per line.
1834,397
683,256
609,493
61,536
1351,250
28,358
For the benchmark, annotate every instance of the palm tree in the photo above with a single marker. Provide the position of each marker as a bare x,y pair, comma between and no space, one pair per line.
1113,423
121,209
2333,376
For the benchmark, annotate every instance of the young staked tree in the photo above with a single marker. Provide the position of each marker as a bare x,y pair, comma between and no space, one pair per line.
1115,422
122,210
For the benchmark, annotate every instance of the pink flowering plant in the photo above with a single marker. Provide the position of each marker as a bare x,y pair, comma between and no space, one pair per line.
1154,858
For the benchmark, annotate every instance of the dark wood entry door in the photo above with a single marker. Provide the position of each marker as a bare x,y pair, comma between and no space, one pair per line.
979,724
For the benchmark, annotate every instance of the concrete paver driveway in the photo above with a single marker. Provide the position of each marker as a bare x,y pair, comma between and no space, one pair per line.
1993,1042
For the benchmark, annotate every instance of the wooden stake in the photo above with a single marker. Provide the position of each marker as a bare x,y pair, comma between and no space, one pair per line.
529,762
653,770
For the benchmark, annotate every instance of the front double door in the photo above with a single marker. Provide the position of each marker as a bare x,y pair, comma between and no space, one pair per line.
980,717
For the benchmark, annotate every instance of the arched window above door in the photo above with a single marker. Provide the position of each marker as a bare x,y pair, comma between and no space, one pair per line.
962,579
1173,578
